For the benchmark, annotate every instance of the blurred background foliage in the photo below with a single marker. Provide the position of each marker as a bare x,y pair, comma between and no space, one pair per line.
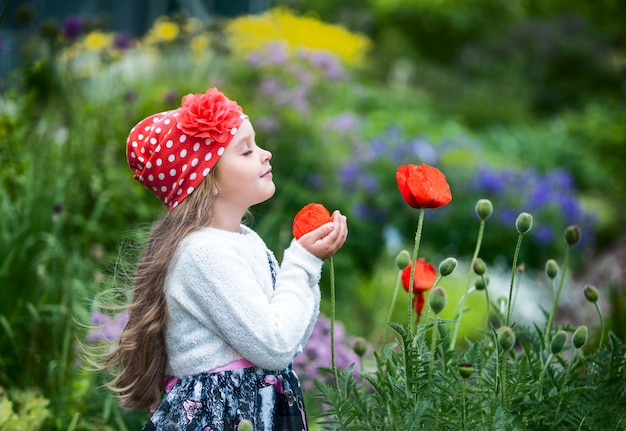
519,102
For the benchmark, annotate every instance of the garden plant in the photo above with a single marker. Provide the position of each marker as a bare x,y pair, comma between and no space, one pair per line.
509,322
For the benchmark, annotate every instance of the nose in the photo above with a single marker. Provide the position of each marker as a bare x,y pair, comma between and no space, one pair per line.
267,155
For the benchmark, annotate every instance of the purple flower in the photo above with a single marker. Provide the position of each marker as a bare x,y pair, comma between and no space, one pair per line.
273,53
73,27
317,353
123,42
328,63
343,123
107,328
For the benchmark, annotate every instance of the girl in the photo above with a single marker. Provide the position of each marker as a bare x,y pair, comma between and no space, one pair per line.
215,321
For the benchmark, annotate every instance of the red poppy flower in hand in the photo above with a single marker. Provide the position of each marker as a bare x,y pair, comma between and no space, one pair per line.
423,186
425,275
310,218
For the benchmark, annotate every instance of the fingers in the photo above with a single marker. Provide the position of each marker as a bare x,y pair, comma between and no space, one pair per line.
324,241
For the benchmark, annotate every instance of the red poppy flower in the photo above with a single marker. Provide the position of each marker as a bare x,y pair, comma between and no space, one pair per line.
423,186
425,275
310,218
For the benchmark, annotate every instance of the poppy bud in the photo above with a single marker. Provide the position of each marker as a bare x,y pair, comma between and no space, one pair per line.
466,370
245,425
579,339
447,266
437,299
591,293
479,266
506,338
360,346
524,223
481,283
558,342
552,268
483,208
403,259
572,234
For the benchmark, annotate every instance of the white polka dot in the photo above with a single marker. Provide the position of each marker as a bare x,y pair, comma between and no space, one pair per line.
220,151
171,158
182,138
169,143
140,137
206,172
134,144
150,177
207,156
133,155
207,141
233,131
143,150
179,192
184,168
141,159
167,121
175,114
153,141
172,172
155,119
190,190
154,188
194,162
159,162
183,153
145,129
164,188
181,181
157,149
149,165
158,130
161,176
193,176
175,204
196,146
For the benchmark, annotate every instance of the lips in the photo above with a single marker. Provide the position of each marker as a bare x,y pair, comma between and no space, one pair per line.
267,173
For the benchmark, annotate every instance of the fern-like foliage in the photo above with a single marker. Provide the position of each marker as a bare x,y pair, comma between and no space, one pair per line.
544,391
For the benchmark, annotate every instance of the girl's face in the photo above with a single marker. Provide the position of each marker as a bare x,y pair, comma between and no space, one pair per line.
244,176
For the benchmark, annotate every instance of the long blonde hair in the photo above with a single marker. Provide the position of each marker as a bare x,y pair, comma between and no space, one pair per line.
138,361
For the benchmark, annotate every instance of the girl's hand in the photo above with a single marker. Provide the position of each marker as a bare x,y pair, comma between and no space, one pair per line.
324,241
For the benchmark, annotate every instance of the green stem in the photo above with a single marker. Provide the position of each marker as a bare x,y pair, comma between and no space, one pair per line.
541,376
555,301
488,302
463,404
517,249
503,380
393,302
433,343
601,325
416,246
461,304
332,322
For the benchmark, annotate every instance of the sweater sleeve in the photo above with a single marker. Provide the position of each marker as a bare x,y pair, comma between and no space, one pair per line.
223,290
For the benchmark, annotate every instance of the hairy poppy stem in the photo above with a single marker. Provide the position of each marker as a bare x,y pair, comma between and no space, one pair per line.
332,322
508,306
416,246
461,304
393,302
601,325
555,301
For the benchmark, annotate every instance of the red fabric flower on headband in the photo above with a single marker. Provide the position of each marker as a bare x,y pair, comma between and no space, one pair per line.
172,152
310,218
210,115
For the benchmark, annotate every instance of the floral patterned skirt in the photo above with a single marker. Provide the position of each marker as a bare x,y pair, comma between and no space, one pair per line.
270,400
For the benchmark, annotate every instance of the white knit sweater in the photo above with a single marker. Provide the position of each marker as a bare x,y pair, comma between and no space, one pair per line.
223,306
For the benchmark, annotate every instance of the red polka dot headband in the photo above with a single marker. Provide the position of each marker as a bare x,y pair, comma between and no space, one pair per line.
173,151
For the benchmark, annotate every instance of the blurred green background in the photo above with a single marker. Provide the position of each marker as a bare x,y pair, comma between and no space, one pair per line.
518,102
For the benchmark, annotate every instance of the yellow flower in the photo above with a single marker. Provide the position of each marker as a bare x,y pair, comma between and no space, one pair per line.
199,44
164,30
97,41
249,33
